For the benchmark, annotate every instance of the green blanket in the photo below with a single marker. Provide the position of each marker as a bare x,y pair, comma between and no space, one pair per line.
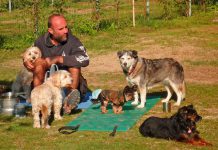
93,120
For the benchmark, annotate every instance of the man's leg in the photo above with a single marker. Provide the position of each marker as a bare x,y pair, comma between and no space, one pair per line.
75,73
73,95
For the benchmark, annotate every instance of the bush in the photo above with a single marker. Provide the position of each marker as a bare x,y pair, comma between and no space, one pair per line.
84,26
169,7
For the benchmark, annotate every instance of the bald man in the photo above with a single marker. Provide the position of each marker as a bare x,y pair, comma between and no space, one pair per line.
59,46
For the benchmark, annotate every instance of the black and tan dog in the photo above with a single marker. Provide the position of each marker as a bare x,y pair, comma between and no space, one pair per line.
117,98
180,127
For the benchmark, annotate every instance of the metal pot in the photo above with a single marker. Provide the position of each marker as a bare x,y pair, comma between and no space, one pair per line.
8,101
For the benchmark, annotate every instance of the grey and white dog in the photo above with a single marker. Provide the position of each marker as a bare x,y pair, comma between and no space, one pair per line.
148,73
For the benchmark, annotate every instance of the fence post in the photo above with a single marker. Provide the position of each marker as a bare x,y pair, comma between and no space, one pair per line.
133,13
190,8
117,10
9,5
147,9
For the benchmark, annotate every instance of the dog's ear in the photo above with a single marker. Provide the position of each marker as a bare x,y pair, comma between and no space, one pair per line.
135,87
40,54
23,55
182,110
55,78
134,53
126,89
119,53
190,106
38,50
121,99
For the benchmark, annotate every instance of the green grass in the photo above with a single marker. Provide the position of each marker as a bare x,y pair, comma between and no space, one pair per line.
18,133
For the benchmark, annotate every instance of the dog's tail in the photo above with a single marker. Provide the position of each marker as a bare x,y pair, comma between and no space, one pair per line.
44,112
182,88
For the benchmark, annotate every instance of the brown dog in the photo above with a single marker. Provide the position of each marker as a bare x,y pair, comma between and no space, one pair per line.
117,98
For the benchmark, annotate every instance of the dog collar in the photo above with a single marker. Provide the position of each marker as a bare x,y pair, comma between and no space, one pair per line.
133,68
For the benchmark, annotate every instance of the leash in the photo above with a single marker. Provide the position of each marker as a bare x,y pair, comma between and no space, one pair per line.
114,131
72,129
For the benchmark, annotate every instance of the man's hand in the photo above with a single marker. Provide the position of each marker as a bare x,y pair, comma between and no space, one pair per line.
54,60
29,65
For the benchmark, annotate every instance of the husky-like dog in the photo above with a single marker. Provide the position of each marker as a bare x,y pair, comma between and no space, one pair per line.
147,73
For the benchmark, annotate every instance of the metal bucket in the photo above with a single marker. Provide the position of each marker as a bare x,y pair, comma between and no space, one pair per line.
8,101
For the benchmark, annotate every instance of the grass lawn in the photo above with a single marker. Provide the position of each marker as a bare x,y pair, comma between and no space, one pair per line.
17,133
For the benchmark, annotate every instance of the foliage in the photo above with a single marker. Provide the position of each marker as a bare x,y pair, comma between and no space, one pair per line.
58,6
169,7
84,26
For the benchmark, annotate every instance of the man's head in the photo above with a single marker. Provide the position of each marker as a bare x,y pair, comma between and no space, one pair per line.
57,27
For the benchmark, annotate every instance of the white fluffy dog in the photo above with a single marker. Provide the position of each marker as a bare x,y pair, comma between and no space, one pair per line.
25,77
48,95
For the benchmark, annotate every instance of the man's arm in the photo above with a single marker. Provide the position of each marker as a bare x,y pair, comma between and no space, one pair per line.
54,60
76,60
76,55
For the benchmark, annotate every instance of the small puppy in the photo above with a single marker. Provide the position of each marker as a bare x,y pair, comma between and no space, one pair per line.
117,98
25,77
48,95
180,127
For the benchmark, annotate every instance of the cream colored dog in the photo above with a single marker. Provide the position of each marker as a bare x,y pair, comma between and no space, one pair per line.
25,77
48,95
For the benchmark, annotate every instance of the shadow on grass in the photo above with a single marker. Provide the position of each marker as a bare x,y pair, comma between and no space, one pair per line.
5,118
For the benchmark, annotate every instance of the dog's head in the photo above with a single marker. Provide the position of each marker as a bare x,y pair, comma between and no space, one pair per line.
189,113
191,127
31,54
61,78
127,58
128,92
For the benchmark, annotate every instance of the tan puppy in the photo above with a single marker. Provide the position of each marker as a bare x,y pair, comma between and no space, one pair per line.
117,98
48,95
25,77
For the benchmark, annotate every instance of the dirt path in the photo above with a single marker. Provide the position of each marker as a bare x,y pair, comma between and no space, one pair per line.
194,74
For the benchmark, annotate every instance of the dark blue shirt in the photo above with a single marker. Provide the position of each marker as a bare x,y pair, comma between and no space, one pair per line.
73,52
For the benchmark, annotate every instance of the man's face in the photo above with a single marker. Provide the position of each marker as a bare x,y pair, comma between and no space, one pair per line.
58,29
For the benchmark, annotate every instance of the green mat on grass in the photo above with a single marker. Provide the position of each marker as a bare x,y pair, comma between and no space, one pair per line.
93,120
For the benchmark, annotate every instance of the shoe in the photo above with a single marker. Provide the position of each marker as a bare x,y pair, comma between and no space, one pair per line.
71,100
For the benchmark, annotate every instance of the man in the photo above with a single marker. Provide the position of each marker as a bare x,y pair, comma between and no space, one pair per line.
59,47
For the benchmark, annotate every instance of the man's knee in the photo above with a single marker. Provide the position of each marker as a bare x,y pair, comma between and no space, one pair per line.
75,73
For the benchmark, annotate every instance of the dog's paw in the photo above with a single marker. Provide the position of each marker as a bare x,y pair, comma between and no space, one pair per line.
36,126
140,106
47,126
104,112
134,103
165,100
58,118
177,104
